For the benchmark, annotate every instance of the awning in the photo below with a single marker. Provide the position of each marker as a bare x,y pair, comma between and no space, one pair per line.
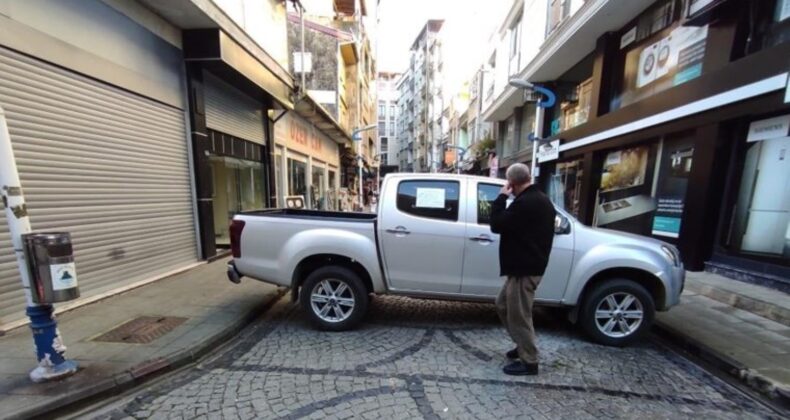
220,53
319,117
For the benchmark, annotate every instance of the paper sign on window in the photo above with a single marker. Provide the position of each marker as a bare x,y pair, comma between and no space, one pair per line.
430,198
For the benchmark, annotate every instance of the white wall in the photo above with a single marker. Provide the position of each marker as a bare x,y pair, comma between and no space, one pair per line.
533,29
264,21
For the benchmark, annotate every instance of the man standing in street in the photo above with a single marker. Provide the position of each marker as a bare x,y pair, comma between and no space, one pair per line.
526,230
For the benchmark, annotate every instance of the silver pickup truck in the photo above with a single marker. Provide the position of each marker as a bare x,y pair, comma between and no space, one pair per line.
431,239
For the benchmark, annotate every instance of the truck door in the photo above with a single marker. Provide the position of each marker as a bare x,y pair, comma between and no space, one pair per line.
481,256
422,235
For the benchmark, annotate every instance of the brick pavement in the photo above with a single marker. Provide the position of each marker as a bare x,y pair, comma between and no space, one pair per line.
429,359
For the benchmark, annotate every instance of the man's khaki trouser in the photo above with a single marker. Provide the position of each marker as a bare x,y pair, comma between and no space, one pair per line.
514,306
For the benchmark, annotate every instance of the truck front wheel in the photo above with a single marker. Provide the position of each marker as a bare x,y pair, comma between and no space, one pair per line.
335,298
617,312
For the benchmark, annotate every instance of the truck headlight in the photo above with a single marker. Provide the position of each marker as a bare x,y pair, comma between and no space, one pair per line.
671,255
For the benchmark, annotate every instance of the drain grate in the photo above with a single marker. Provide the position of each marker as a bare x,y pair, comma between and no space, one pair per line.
142,330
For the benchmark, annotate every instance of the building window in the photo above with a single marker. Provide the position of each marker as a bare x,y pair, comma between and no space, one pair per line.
430,199
508,139
382,109
515,47
382,127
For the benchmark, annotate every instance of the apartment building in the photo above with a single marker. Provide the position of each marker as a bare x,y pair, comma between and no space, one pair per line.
671,120
387,93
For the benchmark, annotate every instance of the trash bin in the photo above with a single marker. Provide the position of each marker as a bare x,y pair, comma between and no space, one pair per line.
53,276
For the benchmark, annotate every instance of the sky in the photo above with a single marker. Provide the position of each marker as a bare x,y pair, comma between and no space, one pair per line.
468,25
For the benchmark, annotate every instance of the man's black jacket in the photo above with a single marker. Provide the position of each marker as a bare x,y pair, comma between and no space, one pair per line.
526,231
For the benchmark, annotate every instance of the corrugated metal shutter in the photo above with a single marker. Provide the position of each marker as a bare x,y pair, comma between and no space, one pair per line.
104,164
230,111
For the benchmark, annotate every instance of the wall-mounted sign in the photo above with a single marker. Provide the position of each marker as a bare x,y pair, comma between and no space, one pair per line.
674,170
769,129
628,38
549,152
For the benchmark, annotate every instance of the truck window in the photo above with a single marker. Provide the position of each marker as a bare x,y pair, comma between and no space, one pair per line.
431,199
486,194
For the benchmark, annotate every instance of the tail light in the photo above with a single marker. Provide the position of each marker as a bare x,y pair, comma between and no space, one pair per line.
236,226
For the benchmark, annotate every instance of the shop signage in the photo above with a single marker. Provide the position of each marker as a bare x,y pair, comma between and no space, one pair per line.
628,38
549,152
769,129
680,54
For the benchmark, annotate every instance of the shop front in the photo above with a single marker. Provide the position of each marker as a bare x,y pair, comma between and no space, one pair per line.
307,164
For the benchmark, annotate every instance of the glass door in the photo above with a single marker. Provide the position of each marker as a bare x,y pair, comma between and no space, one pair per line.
318,188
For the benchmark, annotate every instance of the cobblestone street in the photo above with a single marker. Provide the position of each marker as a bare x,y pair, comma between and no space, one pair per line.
428,359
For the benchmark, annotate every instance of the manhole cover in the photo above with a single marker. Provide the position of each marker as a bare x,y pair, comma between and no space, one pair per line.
142,330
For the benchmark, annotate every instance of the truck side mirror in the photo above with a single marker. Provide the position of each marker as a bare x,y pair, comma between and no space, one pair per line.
562,226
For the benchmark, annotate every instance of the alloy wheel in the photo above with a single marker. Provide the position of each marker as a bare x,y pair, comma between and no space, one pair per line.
332,300
619,315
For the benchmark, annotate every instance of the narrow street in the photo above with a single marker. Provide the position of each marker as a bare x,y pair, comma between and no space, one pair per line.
428,359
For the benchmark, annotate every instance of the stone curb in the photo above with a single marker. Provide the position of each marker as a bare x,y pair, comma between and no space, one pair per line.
766,310
777,393
147,370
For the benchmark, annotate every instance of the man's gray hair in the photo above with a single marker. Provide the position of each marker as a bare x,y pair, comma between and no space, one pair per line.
518,174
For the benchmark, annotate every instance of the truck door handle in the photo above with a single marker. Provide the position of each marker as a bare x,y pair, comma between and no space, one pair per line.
399,230
485,239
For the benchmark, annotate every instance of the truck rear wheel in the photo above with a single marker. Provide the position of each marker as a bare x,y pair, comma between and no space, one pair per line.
335,298
617,312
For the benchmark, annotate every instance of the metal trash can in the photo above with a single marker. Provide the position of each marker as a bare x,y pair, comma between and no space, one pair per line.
53,276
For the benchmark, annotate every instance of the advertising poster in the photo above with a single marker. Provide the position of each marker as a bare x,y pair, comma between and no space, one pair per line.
674,172
679,55
624,169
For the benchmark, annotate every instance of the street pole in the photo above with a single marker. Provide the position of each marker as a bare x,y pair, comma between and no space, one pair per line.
48,343
540,112
355,136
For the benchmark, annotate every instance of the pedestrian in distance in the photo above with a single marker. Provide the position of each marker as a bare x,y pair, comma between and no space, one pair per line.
526,231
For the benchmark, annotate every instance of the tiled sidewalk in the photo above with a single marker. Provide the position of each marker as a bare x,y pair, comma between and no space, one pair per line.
214,309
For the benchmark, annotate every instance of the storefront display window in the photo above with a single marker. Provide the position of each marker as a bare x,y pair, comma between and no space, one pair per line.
279,178
761,223
643,188
565,186
238,186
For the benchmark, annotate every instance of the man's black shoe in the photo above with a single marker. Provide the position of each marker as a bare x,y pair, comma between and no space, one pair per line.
519,368
512,354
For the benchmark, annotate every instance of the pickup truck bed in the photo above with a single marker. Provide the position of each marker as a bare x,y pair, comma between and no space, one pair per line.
315,214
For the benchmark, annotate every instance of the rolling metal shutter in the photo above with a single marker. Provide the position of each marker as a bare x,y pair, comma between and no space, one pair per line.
106,165
230,111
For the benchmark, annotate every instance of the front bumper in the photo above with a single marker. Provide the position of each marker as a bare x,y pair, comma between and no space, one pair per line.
678,284
233,275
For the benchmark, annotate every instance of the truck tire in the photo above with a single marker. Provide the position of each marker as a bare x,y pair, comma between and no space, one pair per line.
617,312
335,298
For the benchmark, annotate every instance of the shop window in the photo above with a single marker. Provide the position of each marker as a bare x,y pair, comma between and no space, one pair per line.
565,185
760,225
318,198
431,199
486,194
577,111
642,189
332,193
297,178
527,126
